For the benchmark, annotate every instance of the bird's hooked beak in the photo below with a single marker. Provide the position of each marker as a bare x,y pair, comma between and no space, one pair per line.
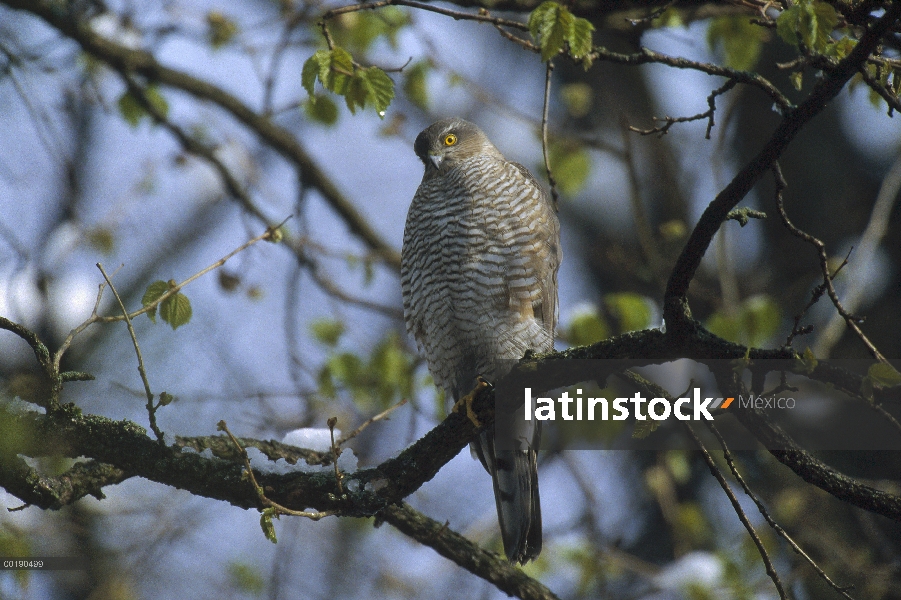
436,159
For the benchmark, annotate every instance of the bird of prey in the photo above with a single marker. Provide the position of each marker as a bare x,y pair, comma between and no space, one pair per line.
479,276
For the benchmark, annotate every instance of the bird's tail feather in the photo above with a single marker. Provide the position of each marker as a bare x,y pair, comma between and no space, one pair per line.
514,473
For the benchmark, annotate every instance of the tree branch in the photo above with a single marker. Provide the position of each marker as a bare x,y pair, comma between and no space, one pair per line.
128,60
451,545
676,310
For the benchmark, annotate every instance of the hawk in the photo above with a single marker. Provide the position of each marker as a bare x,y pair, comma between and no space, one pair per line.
479,277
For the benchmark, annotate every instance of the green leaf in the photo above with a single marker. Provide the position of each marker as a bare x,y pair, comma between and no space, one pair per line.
808,21
587,327
740,40
327,331
246,578
336,71
266,524
753,324
571,165
166,399
379,88
414,84
358,30
220,29
552,25
787,25
130,109
152,294
542,19
841,48
797,80
579,38
553,33
355,95
884,374
807,362
630,310
824,21
176,310
322,109
311,71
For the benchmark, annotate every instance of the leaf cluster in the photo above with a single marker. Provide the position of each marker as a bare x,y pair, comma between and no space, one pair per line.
361,86
553,26
174,310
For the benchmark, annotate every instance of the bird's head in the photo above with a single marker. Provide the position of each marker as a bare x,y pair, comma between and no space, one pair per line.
444,143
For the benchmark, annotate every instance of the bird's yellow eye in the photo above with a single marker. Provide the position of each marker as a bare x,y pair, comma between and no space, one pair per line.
450,139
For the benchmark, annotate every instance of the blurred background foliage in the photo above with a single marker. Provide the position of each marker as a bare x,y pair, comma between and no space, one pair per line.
285,336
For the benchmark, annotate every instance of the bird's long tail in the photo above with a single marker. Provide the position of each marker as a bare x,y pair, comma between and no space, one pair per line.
514,472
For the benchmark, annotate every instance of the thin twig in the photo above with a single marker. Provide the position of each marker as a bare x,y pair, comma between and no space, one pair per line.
96,318
769,519
892,100
312,515
708,114
382,415
544,145
268,234
850,319
332,421
646,20
714,470
513,38
151,409
646,238
455,14
873,235
660,392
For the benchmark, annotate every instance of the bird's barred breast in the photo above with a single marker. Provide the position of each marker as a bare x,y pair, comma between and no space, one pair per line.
476,253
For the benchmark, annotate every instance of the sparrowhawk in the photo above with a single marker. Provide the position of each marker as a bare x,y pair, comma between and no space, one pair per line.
479,277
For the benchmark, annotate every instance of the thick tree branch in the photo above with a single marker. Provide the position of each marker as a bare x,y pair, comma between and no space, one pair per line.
125,445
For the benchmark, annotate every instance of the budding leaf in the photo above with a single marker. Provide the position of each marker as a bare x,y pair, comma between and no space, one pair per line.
176,310
807,362
132,109
884,375
152,294
327,331
414,85
644,428
267,526
552,25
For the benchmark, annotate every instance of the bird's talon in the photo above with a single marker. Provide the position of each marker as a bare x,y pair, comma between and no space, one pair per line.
467,400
